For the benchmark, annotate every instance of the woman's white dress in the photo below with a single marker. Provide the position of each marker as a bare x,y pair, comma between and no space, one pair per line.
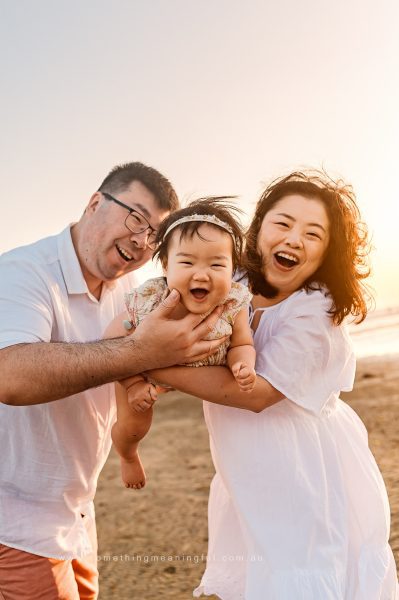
298,509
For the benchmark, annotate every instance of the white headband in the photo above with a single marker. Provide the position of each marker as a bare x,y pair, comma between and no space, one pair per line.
204,218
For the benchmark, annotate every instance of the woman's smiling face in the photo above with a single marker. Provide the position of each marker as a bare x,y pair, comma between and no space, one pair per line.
292,241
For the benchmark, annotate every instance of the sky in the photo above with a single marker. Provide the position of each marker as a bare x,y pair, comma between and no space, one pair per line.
220,95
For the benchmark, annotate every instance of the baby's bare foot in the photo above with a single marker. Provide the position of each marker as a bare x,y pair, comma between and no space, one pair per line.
133,474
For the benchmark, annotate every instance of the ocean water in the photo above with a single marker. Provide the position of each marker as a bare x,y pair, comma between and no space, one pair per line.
378,334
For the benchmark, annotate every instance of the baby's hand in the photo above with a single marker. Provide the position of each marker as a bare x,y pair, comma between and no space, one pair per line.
244,375
141,395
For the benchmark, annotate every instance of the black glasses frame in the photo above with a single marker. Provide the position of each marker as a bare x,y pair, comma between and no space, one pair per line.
153,232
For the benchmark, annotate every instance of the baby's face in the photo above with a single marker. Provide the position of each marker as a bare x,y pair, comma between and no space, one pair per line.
200,269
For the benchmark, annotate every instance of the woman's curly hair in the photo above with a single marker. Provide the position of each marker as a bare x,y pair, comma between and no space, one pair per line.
345,264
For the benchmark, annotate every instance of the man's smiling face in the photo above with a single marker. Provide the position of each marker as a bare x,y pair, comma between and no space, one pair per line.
106,248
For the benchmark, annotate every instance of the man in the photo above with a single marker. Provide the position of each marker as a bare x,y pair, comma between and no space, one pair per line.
56,298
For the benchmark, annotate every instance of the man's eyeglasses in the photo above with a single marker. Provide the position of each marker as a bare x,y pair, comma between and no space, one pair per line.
135,221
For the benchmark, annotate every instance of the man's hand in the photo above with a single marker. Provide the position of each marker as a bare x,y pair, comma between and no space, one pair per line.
166,341
159,341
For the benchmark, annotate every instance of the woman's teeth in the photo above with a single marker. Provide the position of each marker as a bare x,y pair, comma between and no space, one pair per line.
286,260
125,255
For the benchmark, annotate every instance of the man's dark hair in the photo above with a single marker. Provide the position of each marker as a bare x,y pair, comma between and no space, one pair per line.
121,176
215,206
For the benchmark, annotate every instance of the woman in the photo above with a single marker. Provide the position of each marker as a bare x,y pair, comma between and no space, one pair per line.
297,508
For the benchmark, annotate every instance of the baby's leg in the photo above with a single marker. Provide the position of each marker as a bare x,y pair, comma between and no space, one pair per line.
129,429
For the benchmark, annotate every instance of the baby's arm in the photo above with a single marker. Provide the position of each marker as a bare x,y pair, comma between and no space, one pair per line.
116,328
241,354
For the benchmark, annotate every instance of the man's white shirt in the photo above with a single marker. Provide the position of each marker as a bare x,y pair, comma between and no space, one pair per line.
53,453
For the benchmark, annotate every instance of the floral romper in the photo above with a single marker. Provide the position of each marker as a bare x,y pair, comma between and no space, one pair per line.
144,299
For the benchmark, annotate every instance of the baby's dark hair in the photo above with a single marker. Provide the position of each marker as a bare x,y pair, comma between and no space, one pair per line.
215,206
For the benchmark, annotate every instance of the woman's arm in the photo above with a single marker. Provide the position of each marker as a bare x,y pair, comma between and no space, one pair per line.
217,385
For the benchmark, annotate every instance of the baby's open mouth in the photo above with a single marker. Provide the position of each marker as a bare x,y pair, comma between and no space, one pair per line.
124,254
199,293
286,260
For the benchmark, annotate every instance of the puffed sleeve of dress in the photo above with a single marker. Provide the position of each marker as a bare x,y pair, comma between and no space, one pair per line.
302,353
145,298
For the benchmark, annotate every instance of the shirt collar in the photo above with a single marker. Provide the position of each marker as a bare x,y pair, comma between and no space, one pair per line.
71,270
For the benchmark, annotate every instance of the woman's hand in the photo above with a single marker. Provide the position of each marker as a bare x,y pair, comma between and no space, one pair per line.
141,394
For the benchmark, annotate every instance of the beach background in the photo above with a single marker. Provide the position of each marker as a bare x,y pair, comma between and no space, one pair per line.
221,97
153,543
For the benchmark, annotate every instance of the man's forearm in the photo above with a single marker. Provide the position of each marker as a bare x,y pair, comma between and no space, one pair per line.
43,372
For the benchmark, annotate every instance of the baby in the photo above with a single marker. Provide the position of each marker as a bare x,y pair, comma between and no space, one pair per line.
199,248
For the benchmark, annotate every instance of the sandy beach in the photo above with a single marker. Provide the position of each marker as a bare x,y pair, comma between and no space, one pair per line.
153,542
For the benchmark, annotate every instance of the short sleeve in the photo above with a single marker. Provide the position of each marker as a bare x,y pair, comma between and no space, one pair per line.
144,299
26,313
306,357
239,297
